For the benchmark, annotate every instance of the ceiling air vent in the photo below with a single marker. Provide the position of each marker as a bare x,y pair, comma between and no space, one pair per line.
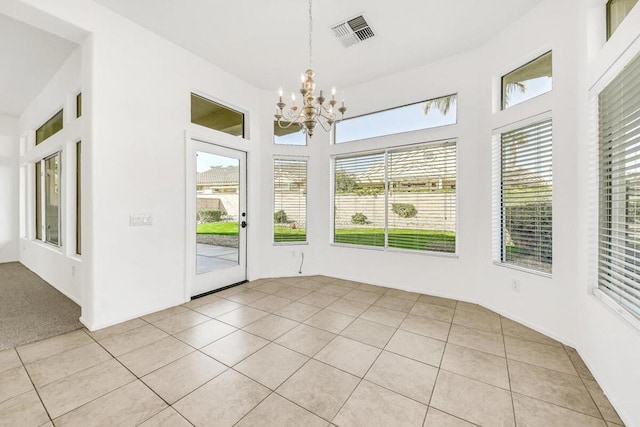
353,31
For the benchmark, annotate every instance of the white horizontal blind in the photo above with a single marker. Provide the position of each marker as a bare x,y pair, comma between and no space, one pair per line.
290,200
359,200
526,197
403,198
422,198
619,188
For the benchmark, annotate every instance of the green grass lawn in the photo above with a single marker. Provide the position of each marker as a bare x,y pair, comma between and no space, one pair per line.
288,234
219,228
401,238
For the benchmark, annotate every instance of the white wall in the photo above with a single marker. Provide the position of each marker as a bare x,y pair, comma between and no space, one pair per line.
59,266
9,199
136,94
138,86
609,345
561,306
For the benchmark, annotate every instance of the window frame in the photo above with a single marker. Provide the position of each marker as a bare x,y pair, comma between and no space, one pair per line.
503,107
609,30
78,212
37,204
617,204
334,129
385,151
497,211
306,138
273,225
78,105
59,112
40,187
216,101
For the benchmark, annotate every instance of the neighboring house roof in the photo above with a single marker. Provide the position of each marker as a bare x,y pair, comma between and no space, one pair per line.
413,166
228,175
219,175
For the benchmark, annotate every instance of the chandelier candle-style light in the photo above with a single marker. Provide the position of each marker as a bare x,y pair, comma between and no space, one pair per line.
314,109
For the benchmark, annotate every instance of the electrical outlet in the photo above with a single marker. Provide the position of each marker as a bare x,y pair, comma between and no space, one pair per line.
515,285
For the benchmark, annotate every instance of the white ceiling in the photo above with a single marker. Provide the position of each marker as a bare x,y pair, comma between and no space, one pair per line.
265,42
30,57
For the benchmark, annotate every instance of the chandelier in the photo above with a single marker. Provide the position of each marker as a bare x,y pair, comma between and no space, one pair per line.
314,109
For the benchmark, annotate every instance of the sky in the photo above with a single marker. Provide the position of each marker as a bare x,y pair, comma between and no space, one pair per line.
207,160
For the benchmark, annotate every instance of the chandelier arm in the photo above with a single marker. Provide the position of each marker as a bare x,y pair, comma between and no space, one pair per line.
323,125
290,117
287,125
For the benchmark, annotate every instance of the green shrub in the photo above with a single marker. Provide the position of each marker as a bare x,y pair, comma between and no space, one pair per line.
404,210
345,183
208,215
529,227
359,218
280,217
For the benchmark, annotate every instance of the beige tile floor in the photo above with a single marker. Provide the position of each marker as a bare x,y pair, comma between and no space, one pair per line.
310,351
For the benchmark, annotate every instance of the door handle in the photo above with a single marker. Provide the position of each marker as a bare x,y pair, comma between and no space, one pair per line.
243,224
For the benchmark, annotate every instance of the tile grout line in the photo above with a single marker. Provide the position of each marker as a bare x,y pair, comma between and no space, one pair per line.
506,355
124,385
23,366
368,369
435,381
289,286
585,386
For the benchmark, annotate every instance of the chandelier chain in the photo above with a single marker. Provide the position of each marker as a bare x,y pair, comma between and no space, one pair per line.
315,109
310,34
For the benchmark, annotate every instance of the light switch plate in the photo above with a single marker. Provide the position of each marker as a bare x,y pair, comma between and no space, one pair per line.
140,219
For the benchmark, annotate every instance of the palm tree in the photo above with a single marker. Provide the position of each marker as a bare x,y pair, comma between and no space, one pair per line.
444,103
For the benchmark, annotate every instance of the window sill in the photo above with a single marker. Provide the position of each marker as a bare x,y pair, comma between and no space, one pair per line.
48,246
397,250
610,303
523,269
290,243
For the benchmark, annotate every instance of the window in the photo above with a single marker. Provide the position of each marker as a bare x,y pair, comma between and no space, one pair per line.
402,198
47,206
290,200
619,189
528,81
51,127
79,105
526,197
617,10
78,198
38,201
216,116
292,135
52,199
421,115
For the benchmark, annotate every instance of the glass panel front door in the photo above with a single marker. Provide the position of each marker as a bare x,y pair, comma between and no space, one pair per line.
217,207
220,217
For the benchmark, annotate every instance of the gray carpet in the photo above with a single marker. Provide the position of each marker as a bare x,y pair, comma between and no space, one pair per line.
31,309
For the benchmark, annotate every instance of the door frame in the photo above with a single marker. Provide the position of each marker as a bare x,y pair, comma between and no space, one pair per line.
191,148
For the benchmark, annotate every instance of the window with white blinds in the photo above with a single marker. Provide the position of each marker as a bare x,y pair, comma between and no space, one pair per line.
402,198
359,200
290,200
526,188
619,188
